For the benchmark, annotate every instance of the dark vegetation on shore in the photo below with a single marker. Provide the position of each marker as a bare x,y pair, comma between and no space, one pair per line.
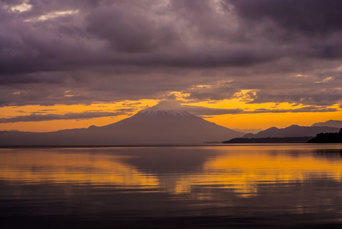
327,138
270,140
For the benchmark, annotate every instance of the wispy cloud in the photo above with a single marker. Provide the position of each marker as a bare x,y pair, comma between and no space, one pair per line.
52,15
67,116
25,6
206,111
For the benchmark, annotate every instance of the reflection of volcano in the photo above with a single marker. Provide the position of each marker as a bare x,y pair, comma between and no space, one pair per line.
162,124
239,169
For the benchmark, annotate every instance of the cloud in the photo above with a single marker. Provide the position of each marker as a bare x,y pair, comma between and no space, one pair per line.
67,116
106,50
295,110
203,111
206,111
311,17
319,90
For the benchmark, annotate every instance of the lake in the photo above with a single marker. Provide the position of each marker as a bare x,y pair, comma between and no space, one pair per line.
230,186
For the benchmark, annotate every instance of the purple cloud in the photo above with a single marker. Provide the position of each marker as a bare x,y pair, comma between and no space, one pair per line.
115,50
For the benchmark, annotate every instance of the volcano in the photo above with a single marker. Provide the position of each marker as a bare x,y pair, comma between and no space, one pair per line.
164,123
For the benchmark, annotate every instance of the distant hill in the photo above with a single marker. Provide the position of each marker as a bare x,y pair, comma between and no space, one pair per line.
328,138
292,131
331,123
156,125
270,140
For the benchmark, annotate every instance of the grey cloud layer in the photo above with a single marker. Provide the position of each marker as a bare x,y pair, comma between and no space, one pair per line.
196,110
67,116
130,49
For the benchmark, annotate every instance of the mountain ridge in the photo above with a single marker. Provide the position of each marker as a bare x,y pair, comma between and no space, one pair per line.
156,125
331,123
291,131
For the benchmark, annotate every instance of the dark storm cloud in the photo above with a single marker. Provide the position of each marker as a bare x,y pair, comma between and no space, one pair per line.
97,51
128,28
311,27
67,116
312,17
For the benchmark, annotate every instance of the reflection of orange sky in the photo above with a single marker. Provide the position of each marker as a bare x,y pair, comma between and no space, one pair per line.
243,171
239,168
50,166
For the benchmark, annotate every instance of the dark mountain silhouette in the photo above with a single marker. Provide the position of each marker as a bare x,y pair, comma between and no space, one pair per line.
270,140
161,124
292,131
327,138
331,123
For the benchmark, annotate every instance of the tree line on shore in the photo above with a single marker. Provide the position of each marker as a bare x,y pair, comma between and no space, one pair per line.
327,138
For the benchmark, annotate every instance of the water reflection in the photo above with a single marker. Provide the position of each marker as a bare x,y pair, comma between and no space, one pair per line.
230,186
241,168
243,172
39,166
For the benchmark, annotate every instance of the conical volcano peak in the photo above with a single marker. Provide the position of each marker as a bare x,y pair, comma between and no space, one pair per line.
167,105
165,108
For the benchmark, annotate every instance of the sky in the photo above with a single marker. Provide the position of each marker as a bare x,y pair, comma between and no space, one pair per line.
245,64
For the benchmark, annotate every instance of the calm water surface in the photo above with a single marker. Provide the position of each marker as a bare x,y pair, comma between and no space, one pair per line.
235,186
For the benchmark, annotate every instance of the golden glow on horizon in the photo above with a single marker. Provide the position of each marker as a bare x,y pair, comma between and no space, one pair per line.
280,120
267,119
42,126
235,121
